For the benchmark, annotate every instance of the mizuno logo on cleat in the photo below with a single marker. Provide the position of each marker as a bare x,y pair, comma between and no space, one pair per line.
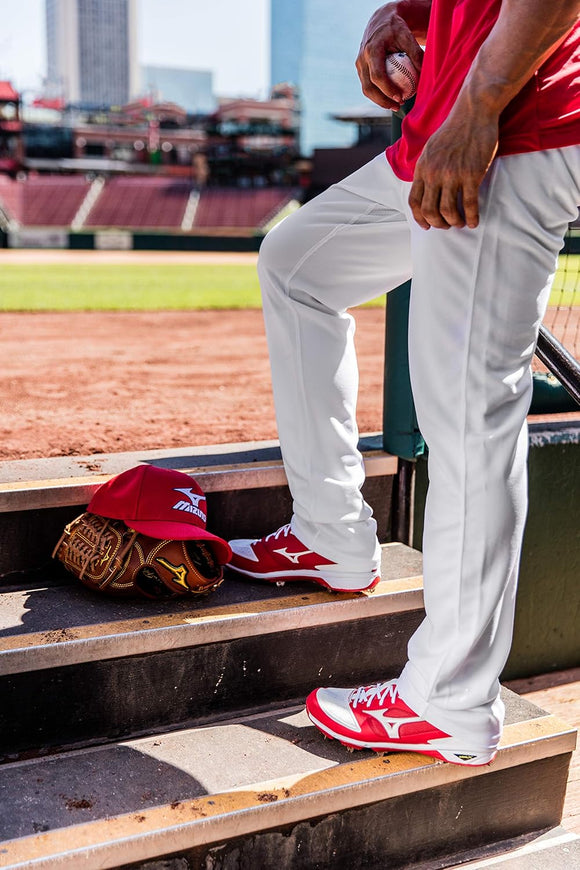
391,725
464,757
293,557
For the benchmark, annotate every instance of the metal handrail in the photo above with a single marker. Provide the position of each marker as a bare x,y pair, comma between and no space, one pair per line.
560,362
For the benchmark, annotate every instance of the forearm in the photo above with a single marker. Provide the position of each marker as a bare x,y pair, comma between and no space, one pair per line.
415,14
397,26
523,37
457,156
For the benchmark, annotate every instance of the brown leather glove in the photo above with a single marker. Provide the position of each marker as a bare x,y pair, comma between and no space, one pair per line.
108,556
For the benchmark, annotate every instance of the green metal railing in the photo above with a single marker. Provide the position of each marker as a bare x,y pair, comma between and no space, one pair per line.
401,435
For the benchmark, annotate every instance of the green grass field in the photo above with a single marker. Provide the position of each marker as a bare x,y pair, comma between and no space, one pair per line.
102,287
566,289
126,287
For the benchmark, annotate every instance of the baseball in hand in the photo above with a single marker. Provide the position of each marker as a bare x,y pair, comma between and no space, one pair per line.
402,73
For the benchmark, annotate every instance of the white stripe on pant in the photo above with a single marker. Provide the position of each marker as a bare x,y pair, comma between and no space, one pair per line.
477,299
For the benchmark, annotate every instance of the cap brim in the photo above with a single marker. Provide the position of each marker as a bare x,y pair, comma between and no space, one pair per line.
182,532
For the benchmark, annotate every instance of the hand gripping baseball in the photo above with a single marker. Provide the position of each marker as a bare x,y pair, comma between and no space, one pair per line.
388,33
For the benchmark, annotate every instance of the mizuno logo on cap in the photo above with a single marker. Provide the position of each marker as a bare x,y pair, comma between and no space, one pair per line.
191,506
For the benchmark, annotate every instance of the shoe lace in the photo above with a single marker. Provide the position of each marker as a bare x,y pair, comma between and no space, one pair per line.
380,691
283,531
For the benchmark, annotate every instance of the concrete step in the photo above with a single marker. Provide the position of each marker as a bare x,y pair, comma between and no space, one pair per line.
76,666
557,849
246,489
268,791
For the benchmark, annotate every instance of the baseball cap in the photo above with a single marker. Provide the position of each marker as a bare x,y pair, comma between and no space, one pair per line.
160,503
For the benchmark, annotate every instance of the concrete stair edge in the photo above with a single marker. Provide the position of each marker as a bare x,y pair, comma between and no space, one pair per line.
555,849
67,481
247,611
323,786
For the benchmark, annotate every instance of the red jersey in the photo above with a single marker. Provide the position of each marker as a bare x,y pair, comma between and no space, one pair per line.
545,114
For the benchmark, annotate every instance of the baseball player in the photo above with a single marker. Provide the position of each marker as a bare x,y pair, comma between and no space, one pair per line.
472,202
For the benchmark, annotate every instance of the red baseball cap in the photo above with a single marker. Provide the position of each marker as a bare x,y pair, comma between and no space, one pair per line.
160,503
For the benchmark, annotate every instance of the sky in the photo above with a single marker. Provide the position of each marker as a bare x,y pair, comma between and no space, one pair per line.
228,37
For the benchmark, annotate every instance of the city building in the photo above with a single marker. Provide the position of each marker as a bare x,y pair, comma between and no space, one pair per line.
254,143
11,147
314,44
242,143
92,51
192,89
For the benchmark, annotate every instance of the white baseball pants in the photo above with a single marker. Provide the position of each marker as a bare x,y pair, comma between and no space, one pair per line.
477,299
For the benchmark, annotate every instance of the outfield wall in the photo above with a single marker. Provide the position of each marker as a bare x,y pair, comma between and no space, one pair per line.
126,240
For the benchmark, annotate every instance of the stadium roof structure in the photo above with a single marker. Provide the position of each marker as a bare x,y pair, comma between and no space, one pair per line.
8,94
56,103
279,109
366,114
148,109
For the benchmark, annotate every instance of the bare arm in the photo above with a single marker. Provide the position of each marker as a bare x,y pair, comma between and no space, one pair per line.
457,156
397,26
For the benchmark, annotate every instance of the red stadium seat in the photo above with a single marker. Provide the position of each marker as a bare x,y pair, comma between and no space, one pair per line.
50,200
233,208
141,203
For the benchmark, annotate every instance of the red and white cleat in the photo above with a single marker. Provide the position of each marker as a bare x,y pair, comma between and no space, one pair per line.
281,557
375,717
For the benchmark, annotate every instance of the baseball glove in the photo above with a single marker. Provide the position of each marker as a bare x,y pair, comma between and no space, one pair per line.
108,556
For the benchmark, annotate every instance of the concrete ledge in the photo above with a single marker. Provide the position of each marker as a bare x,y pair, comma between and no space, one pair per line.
544,433
33,484
558,849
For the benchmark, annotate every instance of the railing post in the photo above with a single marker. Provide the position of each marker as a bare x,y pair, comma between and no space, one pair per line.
401,435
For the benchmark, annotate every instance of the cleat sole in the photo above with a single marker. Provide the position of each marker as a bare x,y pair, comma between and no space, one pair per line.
279,578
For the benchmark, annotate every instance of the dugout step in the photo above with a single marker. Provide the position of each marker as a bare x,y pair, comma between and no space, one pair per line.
64,481
246,487
557,849
269,791
76,666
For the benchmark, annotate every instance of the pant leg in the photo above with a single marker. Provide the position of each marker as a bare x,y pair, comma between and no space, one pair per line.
348,245
477,300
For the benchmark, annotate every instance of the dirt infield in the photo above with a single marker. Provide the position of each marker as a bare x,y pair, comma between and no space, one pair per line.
101,382
80,383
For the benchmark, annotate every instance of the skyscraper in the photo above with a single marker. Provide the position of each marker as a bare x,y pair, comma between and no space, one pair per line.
192,89
314,44
91,50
